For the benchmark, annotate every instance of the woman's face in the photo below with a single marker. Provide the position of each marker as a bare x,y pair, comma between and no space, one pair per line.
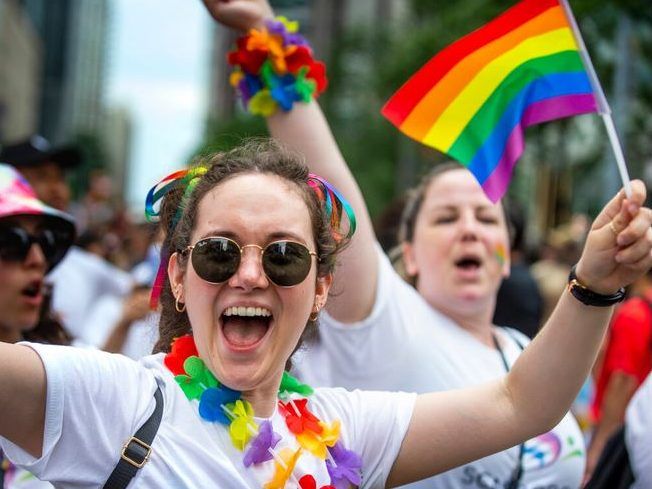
249,352
460,246
21,293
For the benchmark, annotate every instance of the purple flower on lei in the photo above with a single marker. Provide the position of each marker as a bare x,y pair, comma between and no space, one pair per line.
258,451
346,469
277,27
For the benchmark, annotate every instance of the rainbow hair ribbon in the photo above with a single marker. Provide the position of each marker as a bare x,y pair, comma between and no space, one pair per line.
334,204
182,178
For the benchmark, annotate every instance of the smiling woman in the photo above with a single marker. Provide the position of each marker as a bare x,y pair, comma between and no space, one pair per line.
250,244
246,350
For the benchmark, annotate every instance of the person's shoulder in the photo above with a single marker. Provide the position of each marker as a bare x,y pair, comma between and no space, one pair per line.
155,363
338,399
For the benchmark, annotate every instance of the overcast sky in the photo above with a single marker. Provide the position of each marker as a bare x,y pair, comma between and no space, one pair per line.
158,69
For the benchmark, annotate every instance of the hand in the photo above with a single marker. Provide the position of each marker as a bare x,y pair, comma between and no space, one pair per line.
618,248
136,306
240,14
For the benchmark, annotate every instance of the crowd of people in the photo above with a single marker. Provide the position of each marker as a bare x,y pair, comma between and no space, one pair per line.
286,348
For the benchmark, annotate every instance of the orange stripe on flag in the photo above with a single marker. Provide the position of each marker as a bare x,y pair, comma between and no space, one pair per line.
424,115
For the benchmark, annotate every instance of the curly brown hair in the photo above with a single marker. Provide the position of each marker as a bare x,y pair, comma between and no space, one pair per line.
264,156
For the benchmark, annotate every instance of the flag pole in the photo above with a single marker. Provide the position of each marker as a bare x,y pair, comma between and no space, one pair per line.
603,105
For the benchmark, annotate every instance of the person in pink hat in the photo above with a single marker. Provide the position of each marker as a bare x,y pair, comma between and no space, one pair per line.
33,239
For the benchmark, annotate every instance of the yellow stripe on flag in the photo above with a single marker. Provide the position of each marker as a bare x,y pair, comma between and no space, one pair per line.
457,115
432,105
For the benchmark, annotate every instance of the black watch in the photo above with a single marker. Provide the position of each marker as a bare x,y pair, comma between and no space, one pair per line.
589,297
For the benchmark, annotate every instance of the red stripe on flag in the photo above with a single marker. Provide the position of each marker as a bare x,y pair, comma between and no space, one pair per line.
408,96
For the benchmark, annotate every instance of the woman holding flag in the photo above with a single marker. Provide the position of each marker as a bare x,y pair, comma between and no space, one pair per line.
381,333
251,239
214,408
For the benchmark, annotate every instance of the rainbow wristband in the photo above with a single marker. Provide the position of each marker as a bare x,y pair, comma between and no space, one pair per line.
274,67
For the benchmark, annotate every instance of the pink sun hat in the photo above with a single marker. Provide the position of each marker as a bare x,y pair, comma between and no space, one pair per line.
17,198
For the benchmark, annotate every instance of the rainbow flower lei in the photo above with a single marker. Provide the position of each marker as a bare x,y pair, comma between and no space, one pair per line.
219,404
275,68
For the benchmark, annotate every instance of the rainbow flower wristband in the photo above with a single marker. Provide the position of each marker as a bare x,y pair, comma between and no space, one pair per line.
274,67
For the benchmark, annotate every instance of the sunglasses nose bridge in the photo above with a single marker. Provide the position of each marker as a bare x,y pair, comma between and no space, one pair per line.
260,252
248,271
242,248
35,253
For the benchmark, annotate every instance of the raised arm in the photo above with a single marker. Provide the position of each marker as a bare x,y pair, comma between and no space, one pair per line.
451,428
306,130
22,397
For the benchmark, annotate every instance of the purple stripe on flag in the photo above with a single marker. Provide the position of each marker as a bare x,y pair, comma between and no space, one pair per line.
496,184
558,108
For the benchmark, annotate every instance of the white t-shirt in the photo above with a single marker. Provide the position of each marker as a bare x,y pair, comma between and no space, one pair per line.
407,345
638,435
96,401
79,281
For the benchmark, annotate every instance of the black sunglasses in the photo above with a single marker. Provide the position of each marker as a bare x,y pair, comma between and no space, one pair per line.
15,243
216,259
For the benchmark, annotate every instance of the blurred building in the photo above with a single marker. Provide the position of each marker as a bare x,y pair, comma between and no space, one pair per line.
20,70
117,134
74,39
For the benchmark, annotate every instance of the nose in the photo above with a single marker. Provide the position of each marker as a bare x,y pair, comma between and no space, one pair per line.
250,274
469,226
35,257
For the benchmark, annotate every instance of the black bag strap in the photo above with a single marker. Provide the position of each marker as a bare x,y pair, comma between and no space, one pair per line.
136,452
613,470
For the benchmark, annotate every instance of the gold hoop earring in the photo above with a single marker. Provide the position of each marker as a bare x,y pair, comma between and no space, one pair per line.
176,305
315,314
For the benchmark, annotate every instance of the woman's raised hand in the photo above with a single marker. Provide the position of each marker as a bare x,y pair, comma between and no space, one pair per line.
619,246
240,14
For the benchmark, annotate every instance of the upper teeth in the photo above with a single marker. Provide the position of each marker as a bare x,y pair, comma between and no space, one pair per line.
247,311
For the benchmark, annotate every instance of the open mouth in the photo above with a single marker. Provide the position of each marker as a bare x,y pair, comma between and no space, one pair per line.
468,263
33,290
244,327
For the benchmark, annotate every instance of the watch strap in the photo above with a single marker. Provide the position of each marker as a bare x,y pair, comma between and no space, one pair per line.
587,296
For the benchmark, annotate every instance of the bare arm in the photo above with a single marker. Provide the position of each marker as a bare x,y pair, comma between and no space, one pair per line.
473,423
135,307
22,397
451,428
305,130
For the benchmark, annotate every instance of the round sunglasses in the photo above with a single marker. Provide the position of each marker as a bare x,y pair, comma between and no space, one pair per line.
15,243
216,259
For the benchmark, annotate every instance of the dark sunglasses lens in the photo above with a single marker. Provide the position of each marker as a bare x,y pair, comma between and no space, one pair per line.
53,246
47,243
14,244
215,259
286,263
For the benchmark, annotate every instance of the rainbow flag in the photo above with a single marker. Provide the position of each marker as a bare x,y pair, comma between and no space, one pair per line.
474,99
